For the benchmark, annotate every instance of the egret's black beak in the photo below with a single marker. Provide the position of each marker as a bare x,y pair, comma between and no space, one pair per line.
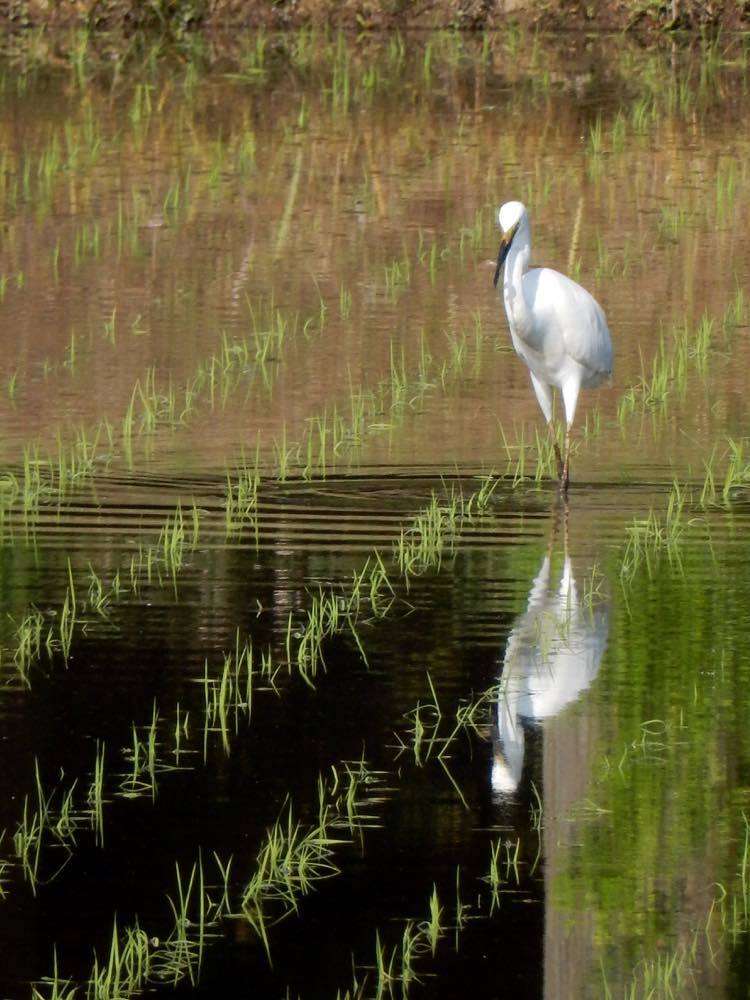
502,253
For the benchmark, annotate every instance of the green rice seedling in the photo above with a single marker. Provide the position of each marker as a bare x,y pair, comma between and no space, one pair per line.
606,266
98,598
181,732
643,115
643,538
479,501
702,342
68,616
595,144
53,987
182,952
27,842
738,470
397,278
458,351
224,905
426,725
5,866
126,968
285,454
518,465
318,434
726,189
79,56
110,327
672,221
745,872
709,492
353,790
35,479
95,796
546,462
345,302
145,762
494,877
171,543
461,908
384,969
379,584
423,545
618,133
399,378
28,643
736,311
410,942
512,852
433,928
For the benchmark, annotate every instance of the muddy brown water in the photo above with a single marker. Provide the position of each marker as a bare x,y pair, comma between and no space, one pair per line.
270,269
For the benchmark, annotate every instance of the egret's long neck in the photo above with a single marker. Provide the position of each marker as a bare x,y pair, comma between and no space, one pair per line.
516,265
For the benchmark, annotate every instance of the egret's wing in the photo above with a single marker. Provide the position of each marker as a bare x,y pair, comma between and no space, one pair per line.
577,318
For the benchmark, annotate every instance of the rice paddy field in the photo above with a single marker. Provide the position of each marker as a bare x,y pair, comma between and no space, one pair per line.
311,685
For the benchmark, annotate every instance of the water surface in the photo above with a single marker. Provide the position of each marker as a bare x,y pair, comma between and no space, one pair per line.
260,410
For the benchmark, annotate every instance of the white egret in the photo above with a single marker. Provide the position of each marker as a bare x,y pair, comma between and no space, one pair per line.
557,327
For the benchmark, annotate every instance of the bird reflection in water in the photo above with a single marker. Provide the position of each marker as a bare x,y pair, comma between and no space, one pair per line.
553,654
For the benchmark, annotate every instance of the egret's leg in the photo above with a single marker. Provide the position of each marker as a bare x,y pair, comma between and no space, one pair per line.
556,446
570,389
565,477
544,398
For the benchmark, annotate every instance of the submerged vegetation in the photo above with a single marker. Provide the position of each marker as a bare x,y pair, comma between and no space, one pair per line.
273,498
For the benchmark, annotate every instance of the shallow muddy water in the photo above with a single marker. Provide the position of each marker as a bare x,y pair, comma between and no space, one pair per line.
313,685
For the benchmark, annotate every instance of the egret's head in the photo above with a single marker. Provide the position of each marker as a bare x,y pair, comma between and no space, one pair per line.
510,217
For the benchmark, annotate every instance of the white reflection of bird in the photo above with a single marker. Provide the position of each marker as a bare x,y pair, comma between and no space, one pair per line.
556,326
553,654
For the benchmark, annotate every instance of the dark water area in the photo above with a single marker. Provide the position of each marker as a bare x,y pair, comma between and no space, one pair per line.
313,684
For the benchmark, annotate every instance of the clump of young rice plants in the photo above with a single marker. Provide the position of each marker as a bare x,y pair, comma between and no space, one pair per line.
292,860
329,614
721,489
503,868
649,537
163,560
394,969
47,479
424,732
145,760
136,959
241,499
37,632
680,352
430,536
432,732
518,468
228,697
55,987
29,634
294,856
49,817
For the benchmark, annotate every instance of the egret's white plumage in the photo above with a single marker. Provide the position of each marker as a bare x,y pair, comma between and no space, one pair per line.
556,326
